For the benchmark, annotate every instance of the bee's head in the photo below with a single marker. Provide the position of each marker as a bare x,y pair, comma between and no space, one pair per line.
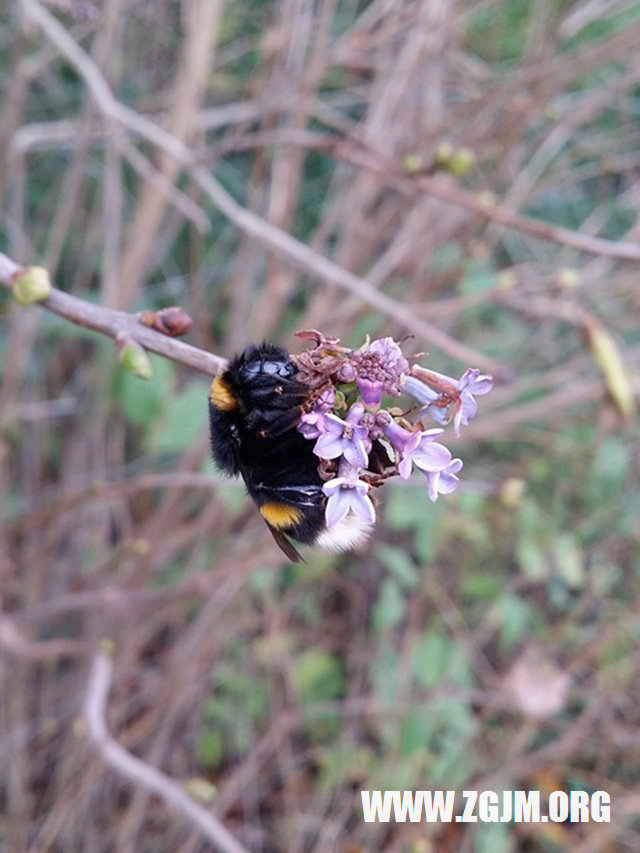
259,362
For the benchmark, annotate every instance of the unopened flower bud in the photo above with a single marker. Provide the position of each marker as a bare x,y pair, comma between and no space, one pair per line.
347,372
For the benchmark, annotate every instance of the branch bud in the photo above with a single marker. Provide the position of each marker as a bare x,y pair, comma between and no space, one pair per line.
134,359
31,284
461,162
172,321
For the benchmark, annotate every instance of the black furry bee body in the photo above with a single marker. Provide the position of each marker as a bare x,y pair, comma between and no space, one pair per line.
254,407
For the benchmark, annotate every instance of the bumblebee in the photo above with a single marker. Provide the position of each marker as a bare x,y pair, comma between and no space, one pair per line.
255,404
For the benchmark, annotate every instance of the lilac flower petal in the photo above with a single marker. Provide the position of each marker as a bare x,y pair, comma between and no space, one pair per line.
343,438
418,390
448,481
371,392
329,446
355,453
332,486
465,411
312,424
469,406
402,439
326,400
348,494
335,425
424,452
381,367
309,430
474,382
362,506
443,482
440,414
405,467
432,485
390,356
355,413
337,507
483,385
471,382
432,457
430,434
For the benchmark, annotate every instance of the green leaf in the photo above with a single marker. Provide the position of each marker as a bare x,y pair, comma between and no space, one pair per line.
494,838
425,539
417,731
210,748
183,420
403,508
429,657
610,469
478,277
384,673
569,560
481,585
515,618
390,607
399,564
532,559
318,676
617,375
143,402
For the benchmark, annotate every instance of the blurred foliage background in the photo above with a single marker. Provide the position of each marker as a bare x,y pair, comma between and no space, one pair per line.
488,641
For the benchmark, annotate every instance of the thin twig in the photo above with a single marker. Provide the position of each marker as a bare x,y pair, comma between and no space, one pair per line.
15,643
138,771
269,235
118,325
438,186
446,190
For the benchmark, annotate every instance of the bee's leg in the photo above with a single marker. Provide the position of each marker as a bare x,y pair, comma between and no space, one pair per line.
271,425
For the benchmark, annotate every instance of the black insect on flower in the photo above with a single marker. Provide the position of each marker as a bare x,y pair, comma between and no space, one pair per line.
311,438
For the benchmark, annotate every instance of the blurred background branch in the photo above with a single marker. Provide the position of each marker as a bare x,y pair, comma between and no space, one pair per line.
137,771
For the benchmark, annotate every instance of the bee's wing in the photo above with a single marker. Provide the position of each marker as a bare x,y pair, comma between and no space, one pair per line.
286,545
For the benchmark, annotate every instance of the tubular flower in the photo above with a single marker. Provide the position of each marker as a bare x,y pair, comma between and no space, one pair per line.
312,424
344,438
471,382
443,482
373,441
347,494
429,456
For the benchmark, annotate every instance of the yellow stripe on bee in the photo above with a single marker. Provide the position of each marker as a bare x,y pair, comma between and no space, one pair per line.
281,516
221,395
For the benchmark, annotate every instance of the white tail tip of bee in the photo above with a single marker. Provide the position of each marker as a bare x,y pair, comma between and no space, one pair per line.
348,533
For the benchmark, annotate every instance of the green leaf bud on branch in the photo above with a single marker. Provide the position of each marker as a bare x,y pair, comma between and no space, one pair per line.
31,284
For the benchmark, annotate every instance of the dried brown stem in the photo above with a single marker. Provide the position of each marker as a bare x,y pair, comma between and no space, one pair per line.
446,190
269,235
138,771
